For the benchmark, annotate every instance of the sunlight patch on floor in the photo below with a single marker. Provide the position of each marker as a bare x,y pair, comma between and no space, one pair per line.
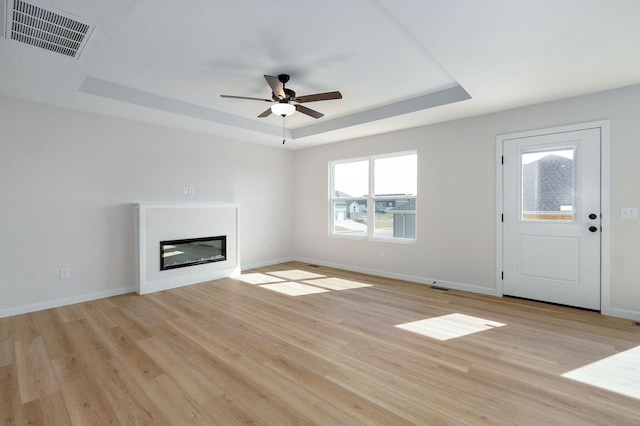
294,289
258,278
296,282
337,283
618,373
296,275
449,326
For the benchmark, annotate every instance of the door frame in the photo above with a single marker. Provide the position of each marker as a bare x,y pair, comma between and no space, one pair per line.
605,201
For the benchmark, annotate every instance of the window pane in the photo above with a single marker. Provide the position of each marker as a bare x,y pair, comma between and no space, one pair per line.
395,218
350,217
357,212
396,175
548,185
351,179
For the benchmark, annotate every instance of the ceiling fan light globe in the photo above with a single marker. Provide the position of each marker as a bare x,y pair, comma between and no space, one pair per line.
283,109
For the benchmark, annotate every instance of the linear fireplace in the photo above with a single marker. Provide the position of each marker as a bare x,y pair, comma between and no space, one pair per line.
193,251
161,225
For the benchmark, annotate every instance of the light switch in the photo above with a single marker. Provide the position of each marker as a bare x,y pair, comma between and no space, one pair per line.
64,273
629,212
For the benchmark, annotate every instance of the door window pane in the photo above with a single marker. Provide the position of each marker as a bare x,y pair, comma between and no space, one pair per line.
548,185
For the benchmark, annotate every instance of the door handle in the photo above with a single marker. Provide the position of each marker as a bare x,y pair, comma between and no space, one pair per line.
593,228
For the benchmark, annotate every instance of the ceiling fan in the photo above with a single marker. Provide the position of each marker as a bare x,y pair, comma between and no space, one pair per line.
285,98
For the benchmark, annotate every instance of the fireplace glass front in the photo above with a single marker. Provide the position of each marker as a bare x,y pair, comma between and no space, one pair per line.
192,251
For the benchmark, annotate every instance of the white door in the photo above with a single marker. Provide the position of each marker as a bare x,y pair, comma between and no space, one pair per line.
552,215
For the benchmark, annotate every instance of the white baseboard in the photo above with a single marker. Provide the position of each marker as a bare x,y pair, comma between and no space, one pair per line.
181,281
404,277
41,306
623,313
148,288
24,309
267,263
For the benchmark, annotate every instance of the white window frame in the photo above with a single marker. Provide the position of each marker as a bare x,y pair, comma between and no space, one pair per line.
370,199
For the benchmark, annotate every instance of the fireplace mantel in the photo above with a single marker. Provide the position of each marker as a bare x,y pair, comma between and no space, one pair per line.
162,222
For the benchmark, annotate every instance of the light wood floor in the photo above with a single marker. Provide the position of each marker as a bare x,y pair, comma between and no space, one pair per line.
231,352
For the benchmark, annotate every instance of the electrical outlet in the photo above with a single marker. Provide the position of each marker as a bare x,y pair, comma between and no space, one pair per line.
65,273
381,253
188,190
629,212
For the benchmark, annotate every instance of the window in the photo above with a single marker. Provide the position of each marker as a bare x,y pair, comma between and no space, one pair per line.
548,185
374,197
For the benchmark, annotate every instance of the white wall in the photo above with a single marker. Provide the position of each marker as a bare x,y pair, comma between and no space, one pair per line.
69,181
456,197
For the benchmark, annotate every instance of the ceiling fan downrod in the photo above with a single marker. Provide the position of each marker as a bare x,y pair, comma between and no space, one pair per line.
283,118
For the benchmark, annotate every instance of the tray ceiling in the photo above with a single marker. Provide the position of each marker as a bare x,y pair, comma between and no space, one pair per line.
397,64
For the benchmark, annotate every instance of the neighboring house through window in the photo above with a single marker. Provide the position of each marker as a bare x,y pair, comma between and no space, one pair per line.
374,197
548,185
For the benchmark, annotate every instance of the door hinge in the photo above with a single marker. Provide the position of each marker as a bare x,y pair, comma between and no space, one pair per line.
502,217
502,160
502,275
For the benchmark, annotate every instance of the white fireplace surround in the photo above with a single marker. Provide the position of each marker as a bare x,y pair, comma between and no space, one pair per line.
161,222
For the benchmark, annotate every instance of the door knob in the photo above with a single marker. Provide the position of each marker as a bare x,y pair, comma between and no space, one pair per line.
593,216
593,228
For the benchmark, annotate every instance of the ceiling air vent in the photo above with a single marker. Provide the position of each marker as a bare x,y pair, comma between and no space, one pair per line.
45,27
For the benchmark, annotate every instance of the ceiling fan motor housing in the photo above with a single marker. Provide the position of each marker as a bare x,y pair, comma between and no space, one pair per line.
283,78
289,94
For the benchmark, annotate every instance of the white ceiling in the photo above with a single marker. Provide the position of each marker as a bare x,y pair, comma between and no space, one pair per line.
398,64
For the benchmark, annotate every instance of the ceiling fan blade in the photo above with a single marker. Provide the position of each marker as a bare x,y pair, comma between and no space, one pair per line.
245,97
276,86
309,111
265,113
319,97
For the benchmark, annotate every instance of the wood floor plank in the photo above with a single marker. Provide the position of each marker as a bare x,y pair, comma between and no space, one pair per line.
231,352
137,362
25,327
360,408
298,398
87,342
242,390
190,379
174,403
227,412
125,318
6,342
87,401
33,413
35,373
59,342
129,401
48,410
70,313
93,313
11,412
